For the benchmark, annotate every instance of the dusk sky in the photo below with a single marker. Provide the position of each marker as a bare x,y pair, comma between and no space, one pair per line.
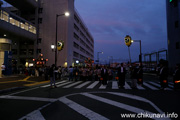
109,21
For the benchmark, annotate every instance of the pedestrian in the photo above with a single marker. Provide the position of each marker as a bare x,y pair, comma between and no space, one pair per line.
121,75
52,76
140,75
176,77
76,73
163,75
3,68
46,71
134,77
59,72
70,73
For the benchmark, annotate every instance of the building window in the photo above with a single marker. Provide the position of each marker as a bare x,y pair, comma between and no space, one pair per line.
75,54
176,24
23,52
76,27
38,51
31,51
177,45
14,51
76,45
40,10
76,19
39,20
76,36
39,40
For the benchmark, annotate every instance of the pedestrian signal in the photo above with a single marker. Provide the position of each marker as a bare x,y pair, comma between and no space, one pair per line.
60,45
127,40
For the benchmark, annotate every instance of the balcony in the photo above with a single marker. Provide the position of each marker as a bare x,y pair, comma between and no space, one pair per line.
16,26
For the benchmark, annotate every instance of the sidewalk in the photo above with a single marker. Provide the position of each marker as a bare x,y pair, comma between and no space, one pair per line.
19,81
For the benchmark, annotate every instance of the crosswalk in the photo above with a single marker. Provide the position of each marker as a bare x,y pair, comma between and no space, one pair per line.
100,106
148,85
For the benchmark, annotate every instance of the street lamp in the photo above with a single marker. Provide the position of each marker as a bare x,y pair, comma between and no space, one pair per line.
140,56
98,56
52,47
66,14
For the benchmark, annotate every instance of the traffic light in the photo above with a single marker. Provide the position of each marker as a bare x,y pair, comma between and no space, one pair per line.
60,45
127,40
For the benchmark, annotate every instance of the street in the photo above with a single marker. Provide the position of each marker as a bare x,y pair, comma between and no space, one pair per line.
82,100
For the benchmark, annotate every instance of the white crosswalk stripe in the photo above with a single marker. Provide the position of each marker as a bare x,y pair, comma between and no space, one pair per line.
115,85
103,86
56,83
73,84
126,86
150,86
140,87
83,84
97,85
63,84
158,85
93,85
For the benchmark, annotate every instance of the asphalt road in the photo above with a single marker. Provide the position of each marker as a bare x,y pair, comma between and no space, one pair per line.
90,100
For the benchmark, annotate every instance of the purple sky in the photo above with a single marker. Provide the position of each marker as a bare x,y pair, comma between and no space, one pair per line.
109,21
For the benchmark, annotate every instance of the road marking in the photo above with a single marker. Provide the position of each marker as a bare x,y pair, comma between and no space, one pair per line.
56,83
25,79
9,81
140,87
158,85
117,104
37,83
93,85
35,115
24,91
75,83
82,110
150,86
63,84
126,86
28,98
137,98
115,85
103,86
83,84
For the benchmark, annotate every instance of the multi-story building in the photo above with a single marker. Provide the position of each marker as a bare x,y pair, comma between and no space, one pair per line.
78,42
173,32
28,28
17,32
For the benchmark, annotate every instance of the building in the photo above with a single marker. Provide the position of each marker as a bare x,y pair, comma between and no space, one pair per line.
173,32
78,42
28,28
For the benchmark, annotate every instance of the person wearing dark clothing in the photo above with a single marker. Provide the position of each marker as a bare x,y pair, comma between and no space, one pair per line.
59,72
140,76
121,75
46,71
163,75
134,77
52,76
176,77
104,75
76,73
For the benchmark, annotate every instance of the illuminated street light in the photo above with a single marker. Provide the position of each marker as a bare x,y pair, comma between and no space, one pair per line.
65,14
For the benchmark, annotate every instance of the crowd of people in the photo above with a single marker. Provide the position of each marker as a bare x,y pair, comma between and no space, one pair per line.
103,73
